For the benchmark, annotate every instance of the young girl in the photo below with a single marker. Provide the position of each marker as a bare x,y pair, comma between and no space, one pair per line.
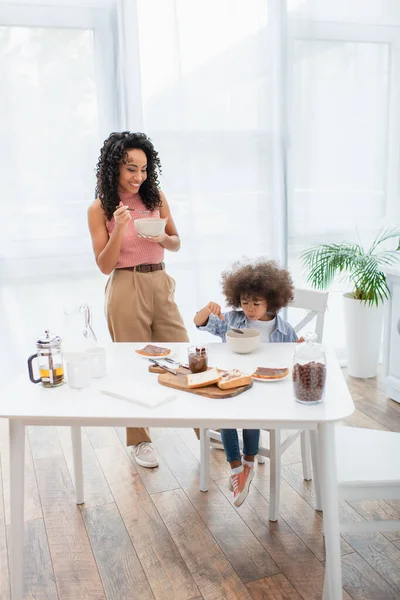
257,292
140,301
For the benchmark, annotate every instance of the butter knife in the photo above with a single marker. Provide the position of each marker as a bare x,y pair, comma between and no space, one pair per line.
155,362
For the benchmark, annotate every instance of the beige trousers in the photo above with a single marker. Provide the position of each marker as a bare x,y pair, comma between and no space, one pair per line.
140,307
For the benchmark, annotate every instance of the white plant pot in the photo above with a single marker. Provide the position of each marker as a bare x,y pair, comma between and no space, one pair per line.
363,336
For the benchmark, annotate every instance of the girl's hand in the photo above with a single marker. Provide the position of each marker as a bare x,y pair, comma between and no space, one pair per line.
215,309
122,217
300,340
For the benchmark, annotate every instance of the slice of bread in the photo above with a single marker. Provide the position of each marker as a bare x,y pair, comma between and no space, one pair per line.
267,373
151,350
233,379
197,380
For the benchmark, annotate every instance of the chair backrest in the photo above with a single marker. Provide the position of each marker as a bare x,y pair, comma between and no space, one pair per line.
315,304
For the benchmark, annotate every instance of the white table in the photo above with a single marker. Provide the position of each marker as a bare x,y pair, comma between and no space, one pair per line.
266,405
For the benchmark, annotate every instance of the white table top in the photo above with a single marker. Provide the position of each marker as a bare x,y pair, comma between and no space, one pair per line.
262,405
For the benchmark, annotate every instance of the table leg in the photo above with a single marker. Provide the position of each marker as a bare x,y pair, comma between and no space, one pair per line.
76,436
17,475
204,460
330,506
275,458
316,469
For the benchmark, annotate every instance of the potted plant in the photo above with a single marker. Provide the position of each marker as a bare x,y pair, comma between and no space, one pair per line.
364,304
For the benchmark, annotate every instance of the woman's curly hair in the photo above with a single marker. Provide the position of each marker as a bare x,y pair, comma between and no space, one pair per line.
112,155
261,279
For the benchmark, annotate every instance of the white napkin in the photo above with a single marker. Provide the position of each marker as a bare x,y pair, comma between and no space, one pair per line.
138,393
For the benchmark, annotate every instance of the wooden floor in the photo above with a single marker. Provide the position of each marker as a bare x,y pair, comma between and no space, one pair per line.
150,534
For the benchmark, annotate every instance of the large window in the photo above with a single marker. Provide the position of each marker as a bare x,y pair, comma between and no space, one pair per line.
56,107
344,134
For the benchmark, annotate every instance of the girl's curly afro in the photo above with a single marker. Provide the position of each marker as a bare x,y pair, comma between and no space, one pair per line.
261,279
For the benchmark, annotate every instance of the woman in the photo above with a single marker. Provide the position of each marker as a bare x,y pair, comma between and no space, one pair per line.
140,302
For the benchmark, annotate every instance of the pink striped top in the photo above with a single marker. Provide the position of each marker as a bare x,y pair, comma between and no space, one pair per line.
135,250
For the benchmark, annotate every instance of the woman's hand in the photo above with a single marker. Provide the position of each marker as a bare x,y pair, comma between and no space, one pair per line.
300,340
122,217
157,239
215,309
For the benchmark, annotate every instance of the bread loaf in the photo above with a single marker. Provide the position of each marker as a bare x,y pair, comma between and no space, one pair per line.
197,380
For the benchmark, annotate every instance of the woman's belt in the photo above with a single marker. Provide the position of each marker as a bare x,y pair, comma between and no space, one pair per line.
144,268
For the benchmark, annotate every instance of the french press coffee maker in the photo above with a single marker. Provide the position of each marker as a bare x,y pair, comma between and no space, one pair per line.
50,361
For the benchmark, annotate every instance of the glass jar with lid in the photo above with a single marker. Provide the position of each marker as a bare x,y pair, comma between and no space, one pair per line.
309,371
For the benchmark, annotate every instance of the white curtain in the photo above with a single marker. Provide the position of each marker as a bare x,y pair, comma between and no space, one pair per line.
57,105
209,83
343,118
55,110
277,125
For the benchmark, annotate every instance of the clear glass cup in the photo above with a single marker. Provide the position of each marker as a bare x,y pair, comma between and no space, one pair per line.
198,359
309,371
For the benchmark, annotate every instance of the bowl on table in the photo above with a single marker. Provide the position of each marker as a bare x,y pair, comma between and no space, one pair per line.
152,227
243,343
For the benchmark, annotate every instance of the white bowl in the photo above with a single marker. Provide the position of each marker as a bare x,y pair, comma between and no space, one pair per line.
245,342
151,227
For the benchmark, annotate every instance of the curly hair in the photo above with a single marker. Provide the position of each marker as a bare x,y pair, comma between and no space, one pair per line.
261,279
112,155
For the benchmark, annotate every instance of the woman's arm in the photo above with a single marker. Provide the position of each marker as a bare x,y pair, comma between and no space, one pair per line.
107,247
169,239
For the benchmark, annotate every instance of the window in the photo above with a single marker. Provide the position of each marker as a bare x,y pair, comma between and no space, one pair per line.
56,107
343,122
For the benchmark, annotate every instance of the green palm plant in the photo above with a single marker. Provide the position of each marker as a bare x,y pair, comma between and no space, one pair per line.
362,268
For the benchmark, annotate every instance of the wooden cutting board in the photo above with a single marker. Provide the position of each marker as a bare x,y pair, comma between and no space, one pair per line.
178,382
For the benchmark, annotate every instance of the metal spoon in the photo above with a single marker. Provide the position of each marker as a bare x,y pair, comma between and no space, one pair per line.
141,212
236,330
229,327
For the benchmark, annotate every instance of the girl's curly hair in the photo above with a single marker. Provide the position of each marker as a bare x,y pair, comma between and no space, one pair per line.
261,279
112,155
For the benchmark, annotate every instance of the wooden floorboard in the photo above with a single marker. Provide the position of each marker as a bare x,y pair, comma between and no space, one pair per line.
298,514
211,570
39,580
361,582
163,565
151,534
245,553
296,561
75,568
97,491
120,569
277,587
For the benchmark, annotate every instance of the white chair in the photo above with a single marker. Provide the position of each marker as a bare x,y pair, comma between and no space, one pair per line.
315,304
368,468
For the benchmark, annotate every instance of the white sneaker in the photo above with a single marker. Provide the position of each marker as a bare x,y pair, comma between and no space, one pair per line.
145,455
